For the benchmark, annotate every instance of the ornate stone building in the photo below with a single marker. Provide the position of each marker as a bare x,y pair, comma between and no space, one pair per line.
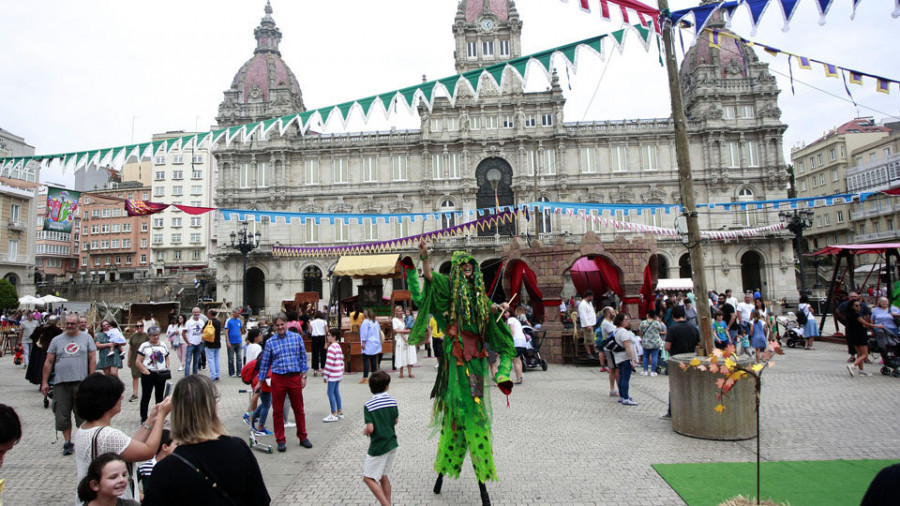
512,146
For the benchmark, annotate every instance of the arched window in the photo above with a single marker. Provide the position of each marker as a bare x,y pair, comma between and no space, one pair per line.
746,217
312,279
448,220
544,224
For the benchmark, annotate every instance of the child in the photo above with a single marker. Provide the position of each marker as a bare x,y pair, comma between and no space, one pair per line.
166,447
264,391
721,331
333,372
254,336
380,414
106,479
758,337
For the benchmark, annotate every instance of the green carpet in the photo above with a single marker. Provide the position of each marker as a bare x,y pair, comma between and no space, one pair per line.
799,483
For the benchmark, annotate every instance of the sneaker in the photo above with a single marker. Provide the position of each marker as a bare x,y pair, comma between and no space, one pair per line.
867,361
364,380
851,359
247,418
652,374
864,373
132,398
667,416
262,431
290,425
330,418
604,369
644,373
620,400
305,443
282,447
629,402
180,369
68,448
613,393
852,369
340,417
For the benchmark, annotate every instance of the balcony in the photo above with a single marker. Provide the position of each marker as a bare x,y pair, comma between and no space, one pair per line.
885,208
16,225
892,235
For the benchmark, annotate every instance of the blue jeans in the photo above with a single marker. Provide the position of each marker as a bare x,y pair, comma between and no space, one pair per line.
212,360
262,409
192,358
334,395
234,359
651,356
624,378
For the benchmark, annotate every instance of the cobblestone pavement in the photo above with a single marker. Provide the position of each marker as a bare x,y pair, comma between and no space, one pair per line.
562,440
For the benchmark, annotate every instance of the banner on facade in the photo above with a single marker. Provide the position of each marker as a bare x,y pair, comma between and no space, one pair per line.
61,207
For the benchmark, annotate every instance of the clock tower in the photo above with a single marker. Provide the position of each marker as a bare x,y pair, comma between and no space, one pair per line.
486,32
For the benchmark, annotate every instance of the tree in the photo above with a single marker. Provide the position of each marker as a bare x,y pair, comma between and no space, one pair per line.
9,299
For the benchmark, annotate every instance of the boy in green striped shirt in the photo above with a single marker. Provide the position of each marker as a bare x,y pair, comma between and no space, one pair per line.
380,414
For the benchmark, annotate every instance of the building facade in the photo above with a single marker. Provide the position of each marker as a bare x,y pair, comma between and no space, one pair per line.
820,168
876,168
114,245
509,147
181,241
18,193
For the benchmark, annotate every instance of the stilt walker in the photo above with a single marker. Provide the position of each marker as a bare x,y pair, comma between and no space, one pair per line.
461,393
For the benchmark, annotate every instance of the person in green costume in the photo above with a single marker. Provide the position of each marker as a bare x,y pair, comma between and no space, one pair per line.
462,409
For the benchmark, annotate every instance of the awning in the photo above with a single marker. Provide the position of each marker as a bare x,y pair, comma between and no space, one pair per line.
856,249
668,284
367,265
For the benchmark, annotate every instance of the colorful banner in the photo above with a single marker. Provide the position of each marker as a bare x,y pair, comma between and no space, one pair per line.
61,207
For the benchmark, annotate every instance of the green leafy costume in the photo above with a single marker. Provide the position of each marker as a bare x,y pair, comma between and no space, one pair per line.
462,408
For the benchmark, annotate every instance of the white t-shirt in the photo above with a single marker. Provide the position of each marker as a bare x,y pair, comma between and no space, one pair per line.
317,327
745,309
587,317
109,440
174,334
194,331
154,356
606,328
732,300
515,326
625,338
253,351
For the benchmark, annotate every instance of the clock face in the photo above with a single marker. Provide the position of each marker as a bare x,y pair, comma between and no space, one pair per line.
487,24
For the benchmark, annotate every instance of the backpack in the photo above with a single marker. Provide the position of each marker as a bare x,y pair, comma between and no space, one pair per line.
610,344
248,372
209,332
802,317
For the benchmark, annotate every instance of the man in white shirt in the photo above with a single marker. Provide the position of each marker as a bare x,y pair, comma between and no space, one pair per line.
730,299
193,337
587,318
744,309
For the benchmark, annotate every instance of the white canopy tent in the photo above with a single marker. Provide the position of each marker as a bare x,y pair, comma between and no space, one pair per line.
52,299
30,300
674,284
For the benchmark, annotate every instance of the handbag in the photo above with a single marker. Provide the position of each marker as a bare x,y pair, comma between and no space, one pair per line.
212,483
166,375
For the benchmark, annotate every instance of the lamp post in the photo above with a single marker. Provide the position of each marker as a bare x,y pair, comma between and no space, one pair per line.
797,221
244,242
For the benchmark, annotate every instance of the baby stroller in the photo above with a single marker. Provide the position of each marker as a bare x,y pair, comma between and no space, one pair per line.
793,331
532,356
889,346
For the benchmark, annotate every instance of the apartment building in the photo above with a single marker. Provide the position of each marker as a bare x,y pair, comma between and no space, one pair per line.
181,241
876,168
114,245
18,188
820,169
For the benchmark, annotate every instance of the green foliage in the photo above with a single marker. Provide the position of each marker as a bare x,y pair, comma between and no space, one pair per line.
9,299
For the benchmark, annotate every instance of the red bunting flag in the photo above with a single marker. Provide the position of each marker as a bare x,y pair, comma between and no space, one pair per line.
143,207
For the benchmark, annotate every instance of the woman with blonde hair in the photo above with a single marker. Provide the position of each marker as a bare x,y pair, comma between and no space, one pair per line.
209,466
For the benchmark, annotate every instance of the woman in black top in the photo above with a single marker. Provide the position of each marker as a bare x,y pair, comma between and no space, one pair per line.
858,337
208,467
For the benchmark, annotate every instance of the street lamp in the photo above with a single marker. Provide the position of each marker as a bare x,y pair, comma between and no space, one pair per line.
244,242
797,221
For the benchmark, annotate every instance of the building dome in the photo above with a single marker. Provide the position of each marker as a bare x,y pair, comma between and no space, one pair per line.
264,86
475,9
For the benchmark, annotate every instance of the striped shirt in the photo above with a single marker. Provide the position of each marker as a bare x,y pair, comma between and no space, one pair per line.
284,354
334,363
381,411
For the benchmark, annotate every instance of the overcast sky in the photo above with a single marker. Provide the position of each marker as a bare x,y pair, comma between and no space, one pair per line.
94,74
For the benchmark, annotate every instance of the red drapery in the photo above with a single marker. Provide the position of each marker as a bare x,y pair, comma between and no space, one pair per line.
521,272
597,275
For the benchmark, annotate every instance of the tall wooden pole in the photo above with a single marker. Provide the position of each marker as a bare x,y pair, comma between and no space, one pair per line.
686,184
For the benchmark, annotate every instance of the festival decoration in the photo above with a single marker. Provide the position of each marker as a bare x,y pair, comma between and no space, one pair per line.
410,96
643,11
61,207
702,14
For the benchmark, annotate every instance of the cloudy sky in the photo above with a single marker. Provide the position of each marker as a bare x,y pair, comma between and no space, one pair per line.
94,74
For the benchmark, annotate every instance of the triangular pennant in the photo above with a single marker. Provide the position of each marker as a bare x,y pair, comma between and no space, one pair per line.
473,77
496,71
427,89
449,83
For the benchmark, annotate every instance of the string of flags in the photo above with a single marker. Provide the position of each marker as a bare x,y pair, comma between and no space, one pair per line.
882,84
498,75
645,13
702,14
